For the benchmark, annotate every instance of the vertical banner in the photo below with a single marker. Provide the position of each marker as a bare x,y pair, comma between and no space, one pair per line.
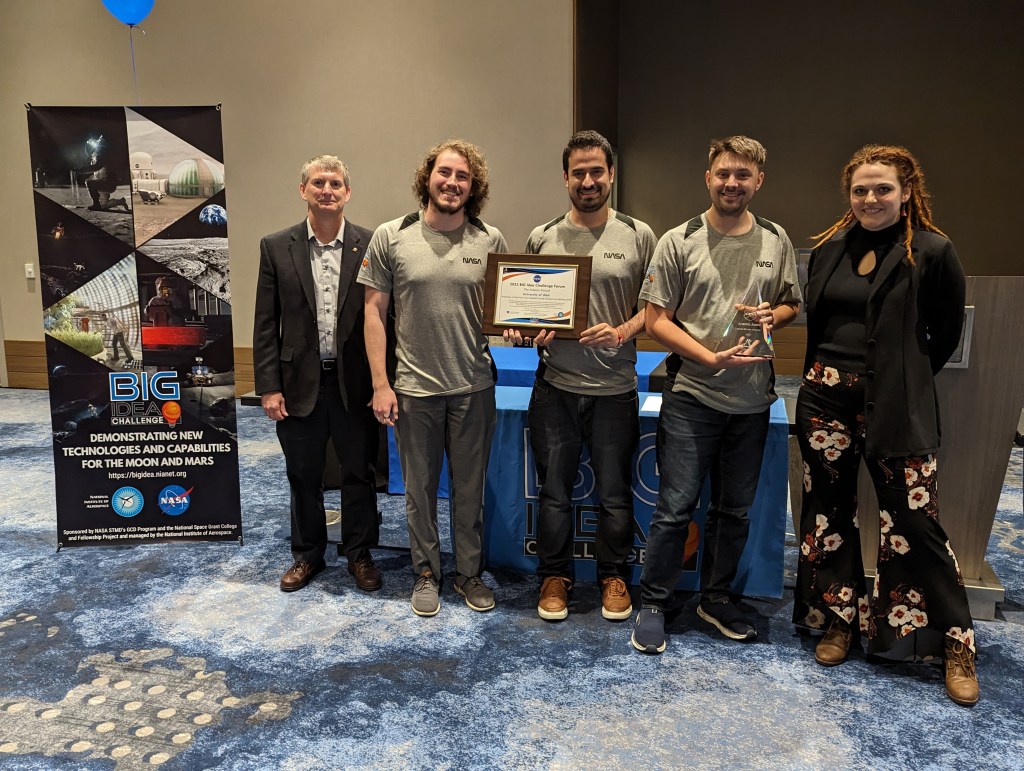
131,220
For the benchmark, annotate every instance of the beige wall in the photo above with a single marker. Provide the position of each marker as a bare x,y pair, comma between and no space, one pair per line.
376,81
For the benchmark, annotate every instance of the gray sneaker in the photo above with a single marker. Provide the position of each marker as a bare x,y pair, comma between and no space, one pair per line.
425,595
477,595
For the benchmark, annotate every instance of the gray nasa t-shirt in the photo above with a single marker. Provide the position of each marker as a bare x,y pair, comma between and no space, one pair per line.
437,282
620,251
702,274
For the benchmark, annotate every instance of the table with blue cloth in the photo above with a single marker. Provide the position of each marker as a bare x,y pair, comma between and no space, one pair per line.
518,366
510,521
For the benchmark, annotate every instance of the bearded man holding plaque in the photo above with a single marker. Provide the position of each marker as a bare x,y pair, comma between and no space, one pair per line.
722,269
586,389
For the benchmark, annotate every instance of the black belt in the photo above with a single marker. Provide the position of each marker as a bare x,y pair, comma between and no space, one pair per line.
328,365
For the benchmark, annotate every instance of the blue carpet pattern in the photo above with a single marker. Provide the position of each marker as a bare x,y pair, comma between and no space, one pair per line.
187,656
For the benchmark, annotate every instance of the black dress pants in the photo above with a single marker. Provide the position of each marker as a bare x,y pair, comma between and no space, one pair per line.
355,434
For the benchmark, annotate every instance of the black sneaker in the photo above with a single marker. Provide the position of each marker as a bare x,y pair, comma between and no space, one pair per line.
729,619
649,631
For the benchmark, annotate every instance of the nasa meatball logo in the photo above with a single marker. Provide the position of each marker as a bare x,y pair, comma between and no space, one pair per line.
175,500
536,279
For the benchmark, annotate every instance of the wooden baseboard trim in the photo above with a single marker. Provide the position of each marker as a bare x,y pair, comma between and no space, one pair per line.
26,366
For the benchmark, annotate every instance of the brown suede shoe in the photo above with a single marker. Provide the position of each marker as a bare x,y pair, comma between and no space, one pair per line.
298,575
615,602
835,645
366,573
553,604
961,677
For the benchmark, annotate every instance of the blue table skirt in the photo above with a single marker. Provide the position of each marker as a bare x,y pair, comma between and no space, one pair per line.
517,366
511,501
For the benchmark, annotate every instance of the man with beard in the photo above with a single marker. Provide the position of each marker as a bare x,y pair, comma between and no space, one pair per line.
714,414
432,263
586,390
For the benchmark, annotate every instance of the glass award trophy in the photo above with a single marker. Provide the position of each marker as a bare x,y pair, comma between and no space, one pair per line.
744,329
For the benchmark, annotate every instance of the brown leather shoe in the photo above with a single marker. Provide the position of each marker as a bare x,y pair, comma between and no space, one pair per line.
961,677
298,575
366,573
615,602
553,604
833,648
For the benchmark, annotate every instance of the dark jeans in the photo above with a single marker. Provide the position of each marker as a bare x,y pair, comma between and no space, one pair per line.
355,434
560,422
694,439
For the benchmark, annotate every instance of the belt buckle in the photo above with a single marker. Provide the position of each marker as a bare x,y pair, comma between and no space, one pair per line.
328,365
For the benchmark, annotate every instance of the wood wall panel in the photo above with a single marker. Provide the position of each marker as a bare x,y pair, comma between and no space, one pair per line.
26,365
244,379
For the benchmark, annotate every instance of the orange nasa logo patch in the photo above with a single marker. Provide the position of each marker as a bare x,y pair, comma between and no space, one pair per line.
650,277
365,262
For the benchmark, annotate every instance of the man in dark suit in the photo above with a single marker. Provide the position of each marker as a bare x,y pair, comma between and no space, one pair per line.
311,371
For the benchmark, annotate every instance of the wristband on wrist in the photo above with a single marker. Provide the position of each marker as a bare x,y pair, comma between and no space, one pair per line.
621,338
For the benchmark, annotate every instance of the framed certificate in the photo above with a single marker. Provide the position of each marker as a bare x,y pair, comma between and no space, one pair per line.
532,292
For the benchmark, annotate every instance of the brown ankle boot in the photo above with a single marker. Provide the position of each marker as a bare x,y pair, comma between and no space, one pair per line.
961,677
833,647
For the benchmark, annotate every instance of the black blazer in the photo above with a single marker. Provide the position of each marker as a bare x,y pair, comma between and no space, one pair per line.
285,339
913,321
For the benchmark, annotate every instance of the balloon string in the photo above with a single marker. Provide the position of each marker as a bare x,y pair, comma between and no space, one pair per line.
135,77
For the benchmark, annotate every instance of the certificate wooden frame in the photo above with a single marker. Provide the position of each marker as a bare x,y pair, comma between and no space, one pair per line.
513,265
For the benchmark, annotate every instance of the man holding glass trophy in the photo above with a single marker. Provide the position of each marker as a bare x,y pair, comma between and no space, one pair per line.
717,286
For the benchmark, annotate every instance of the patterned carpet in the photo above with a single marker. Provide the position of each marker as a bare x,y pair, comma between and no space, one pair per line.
187,656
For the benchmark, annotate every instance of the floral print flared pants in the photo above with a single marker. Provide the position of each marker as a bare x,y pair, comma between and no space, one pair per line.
918,589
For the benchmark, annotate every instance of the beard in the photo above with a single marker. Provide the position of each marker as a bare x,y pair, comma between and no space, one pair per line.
590,204
443,206
729,209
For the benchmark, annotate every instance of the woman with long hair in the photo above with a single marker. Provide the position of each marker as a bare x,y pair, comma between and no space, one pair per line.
885,306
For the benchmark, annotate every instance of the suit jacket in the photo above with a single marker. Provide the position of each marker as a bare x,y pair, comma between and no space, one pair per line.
286,341
913,320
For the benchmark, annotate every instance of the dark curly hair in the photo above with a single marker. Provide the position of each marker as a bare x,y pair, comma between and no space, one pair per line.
480,187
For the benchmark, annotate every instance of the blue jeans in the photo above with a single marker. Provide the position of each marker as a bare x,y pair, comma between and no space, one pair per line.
560,422
694,439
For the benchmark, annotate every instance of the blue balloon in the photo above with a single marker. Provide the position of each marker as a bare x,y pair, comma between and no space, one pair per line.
129,12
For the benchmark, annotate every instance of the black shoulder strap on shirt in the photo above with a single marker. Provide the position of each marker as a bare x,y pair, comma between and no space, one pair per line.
769,226
410,219
554,222
626,219
693,226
